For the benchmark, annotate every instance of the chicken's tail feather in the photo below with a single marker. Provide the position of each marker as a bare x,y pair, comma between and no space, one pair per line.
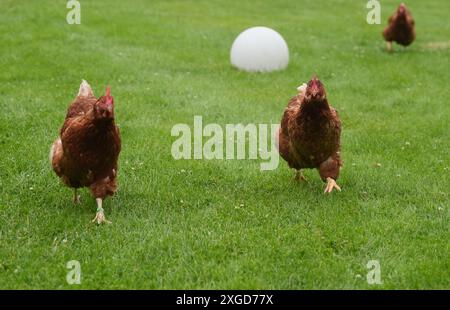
85,89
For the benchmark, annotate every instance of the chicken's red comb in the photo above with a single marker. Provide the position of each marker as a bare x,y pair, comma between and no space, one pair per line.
314,80
109,98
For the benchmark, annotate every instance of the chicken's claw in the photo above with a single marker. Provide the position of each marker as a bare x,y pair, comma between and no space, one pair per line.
299,176
331,184
389,46
100,217
76,197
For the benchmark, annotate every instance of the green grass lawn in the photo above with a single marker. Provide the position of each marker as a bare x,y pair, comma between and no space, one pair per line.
198,224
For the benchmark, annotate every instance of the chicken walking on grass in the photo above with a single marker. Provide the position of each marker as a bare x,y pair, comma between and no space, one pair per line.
309,135
400,28
86,153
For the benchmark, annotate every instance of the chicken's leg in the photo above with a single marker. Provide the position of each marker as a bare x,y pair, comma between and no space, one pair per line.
76,197
299,176
389,46
331,184
100,216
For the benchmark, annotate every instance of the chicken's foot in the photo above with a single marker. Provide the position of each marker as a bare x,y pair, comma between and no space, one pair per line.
331,184
299,176
389,46
76,197
100,216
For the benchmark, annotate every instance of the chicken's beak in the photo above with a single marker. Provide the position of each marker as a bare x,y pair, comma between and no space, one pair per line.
314,87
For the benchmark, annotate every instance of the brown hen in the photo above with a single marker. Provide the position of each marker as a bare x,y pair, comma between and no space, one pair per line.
309,135
86,153
400,28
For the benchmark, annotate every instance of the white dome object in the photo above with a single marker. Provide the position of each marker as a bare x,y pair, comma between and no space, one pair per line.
259,49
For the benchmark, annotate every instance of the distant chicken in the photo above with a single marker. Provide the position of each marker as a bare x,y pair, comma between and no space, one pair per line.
86,153
309,135
400,28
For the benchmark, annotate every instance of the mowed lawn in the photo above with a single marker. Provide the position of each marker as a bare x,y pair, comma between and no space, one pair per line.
224,224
